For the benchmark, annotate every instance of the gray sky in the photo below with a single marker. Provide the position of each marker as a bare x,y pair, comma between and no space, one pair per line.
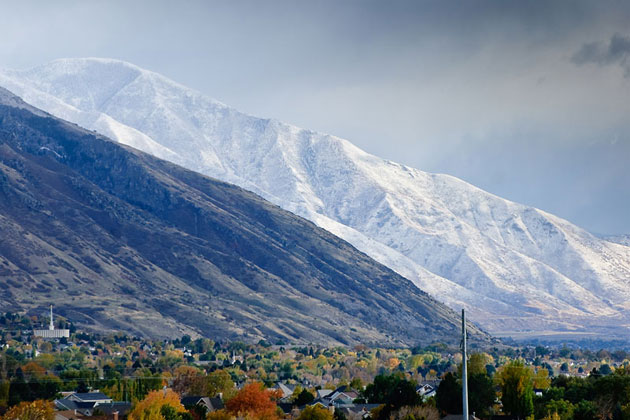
528,100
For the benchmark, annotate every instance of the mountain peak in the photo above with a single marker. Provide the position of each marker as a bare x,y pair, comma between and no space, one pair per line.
171,252
513,267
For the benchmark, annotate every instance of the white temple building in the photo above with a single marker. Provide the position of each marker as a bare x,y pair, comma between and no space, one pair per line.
51,332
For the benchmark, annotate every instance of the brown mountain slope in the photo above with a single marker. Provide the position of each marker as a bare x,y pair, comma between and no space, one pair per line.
118,239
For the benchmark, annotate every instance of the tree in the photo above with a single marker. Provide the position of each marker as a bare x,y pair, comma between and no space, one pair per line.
517,394
255,401
477,363
315,412
356,383
217,382
563,409
605,369
188,380
339,415
36,410
219,415
416,413
585,410
304,397
541,379
481,394
152,407
394,391
448,396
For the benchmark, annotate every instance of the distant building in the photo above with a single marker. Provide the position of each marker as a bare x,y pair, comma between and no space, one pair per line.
51,332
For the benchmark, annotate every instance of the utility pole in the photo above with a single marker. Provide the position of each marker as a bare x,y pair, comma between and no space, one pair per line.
464,370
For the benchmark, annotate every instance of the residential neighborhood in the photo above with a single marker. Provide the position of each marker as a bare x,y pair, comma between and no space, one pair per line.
116,376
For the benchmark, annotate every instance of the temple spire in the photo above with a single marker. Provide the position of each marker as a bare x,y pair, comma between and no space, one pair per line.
51,326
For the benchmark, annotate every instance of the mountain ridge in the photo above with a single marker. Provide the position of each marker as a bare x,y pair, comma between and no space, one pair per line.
508,264
122,240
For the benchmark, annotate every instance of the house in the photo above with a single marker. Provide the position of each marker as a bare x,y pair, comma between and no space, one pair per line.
95,397
321,393
209,404
110,409
67,415
286,390
341,396
426,391
84,408
84,403
356,411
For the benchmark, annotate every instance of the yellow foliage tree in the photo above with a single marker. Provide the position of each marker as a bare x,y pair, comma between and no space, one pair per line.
219,415
315,412
150,408
541,379
36,410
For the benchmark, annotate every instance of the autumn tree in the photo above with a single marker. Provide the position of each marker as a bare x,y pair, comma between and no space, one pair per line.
425,412
32,382
476,364
36,410
153,406
315,412
188,380
217,382
219,415
255,401
517,394
541,379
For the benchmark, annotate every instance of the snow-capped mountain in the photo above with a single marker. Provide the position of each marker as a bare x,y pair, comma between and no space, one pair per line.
515,268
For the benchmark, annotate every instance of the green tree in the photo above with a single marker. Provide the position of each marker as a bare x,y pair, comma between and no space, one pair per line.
585,410
448,397
563,408
481,394
394,391
303,398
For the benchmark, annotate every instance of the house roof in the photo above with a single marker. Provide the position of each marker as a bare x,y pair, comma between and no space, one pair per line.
123,407
323,392
191,400
214,403
217,403
286,389
67,404
89,396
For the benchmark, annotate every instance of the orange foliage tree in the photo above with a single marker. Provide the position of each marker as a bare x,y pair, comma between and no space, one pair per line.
254,401
151,407
36,410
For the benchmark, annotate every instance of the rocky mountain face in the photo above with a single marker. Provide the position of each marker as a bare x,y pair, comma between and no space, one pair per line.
518,270
118,239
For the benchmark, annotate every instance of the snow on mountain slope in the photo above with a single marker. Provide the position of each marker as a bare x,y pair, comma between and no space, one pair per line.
514,267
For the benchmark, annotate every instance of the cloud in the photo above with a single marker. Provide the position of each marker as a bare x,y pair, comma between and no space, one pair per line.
615,52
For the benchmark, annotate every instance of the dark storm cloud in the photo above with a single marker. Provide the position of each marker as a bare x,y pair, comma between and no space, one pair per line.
482,90
614,52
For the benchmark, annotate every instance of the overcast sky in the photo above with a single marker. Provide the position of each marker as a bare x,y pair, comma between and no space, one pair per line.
528,100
